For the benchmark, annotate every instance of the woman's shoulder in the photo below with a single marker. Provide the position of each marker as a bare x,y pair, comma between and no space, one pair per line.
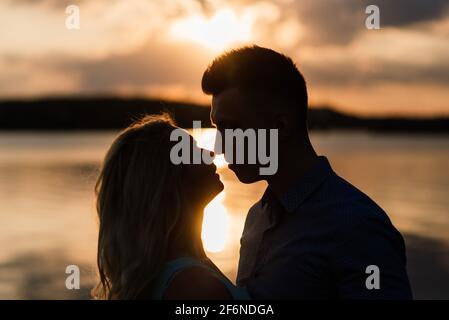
192,278
196,282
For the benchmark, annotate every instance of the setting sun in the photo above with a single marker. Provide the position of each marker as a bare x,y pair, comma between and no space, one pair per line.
220,31
215,225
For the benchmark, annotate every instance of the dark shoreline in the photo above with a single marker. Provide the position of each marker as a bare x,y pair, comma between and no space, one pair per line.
89,113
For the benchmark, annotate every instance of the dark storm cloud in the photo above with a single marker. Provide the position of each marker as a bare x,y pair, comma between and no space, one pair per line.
404,12
351,72
339,21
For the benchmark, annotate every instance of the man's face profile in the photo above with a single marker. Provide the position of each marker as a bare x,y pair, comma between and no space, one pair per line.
232,109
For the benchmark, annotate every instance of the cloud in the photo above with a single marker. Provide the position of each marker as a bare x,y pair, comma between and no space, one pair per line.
338,22
56,4
404,12
156,63
24,76
38,27
126,46
165,69
393,55
344,73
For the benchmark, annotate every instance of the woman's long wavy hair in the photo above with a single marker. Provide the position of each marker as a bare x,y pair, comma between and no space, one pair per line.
140,206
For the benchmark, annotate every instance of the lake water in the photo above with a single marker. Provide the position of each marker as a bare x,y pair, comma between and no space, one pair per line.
48,219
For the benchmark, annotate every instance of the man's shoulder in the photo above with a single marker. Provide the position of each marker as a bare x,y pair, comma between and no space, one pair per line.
352,203
345,208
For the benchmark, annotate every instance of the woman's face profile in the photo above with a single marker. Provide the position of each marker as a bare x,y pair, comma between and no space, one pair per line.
202,179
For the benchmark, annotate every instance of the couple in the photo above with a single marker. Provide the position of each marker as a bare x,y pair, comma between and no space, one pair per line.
311,236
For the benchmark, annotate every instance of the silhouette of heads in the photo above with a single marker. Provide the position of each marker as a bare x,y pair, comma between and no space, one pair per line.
257,88
258,71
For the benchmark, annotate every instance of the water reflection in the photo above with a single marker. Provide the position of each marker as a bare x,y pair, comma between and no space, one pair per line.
41,275
215,225
216,218
47,202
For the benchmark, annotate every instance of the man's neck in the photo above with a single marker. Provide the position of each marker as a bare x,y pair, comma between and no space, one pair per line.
294,165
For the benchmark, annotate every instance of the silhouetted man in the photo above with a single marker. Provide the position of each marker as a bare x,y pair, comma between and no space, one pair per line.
312,235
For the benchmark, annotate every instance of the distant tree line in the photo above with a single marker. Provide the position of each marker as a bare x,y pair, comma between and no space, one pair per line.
97,113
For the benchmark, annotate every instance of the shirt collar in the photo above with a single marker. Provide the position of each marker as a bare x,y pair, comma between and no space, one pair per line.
303,188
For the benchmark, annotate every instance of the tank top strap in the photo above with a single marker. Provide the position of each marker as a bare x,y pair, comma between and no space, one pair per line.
173,267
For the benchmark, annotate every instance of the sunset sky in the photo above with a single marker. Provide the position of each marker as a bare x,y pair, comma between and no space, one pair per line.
161,48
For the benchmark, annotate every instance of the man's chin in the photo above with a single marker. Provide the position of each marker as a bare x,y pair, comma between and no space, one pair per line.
243,176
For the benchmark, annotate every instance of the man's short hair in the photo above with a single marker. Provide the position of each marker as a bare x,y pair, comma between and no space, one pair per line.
253,69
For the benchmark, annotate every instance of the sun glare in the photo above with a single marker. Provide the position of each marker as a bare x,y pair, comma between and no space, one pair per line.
220,31
205,139
215,225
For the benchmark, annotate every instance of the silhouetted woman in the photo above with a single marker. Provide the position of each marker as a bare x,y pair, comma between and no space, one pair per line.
150,214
